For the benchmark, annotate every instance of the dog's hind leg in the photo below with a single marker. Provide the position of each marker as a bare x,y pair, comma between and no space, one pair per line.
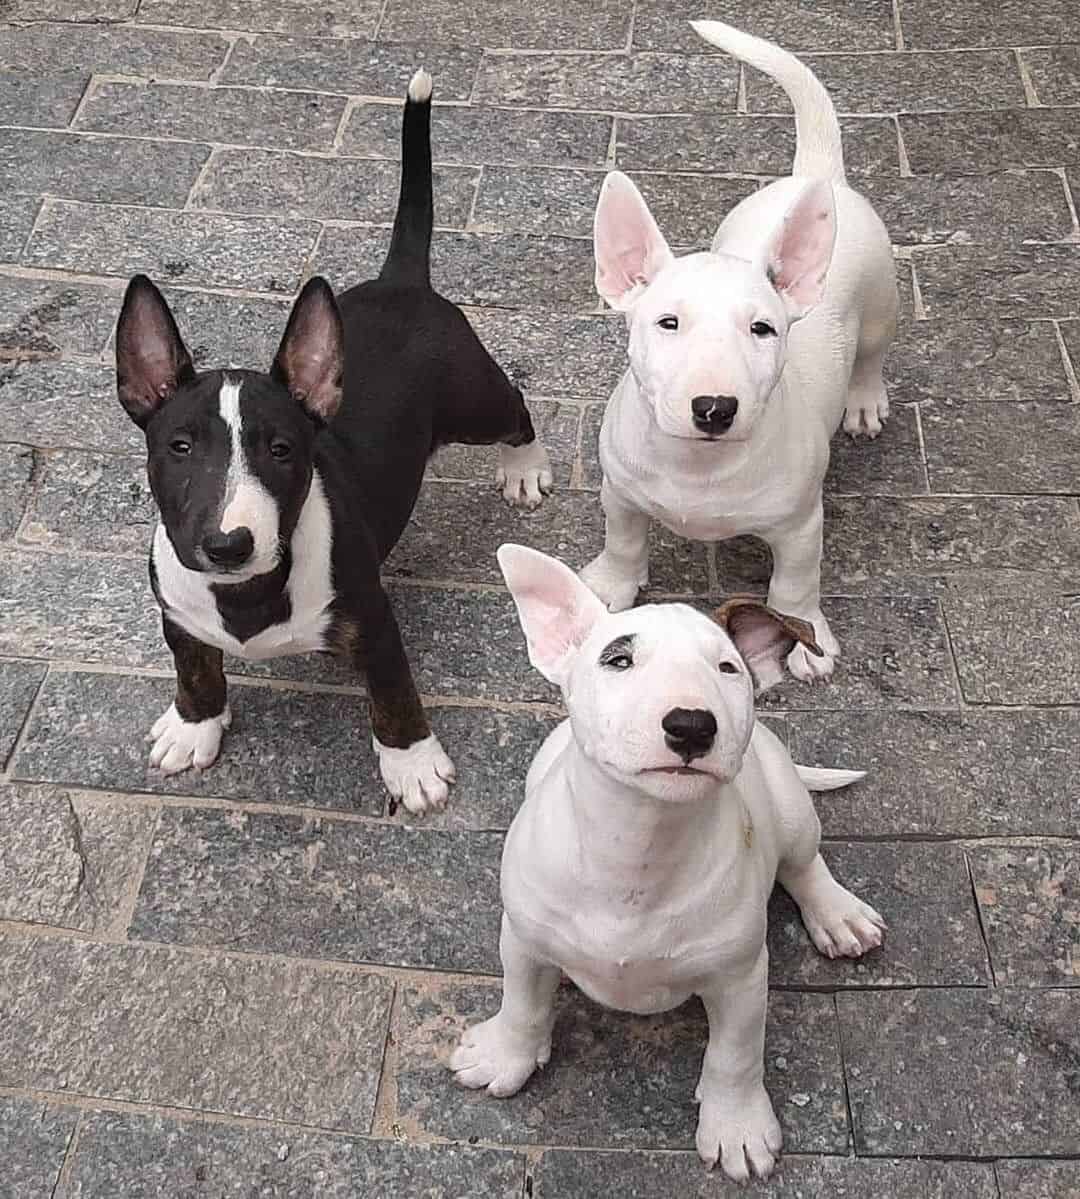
867,400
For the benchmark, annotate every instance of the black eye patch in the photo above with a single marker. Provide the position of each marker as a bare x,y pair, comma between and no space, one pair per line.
618,654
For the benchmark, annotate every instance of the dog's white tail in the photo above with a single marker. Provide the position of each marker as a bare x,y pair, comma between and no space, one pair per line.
819,150
816,779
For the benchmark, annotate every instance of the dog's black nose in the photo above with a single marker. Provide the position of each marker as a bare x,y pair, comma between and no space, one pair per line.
713,414
229,549
689,732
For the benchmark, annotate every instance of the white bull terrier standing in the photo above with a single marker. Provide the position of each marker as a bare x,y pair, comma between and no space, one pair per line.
656,819
721,425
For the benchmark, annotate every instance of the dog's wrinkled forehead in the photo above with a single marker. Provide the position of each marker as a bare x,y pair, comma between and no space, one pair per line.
707,282
665,633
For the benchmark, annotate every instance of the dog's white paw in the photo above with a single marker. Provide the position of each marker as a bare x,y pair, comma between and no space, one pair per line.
180,743
808,667
524,474
489,1056
419,775
866,411
740,1132
611,585
840,924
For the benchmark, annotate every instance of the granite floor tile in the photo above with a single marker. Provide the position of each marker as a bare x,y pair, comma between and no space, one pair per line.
103,49
623,83
1022,652
303,186
315,18
963,143
507,270
976,282
19,683
1004,448
687,208
69,860
576,1174
1028,1179
989,359
40,100
1028,899
1055,73
893,654
16,484
508,23
128,1156
351,66
1003,209
800,26
971,23
367,893
222,331
102,169
923,892
746,145
455,530
65,404
962,1072
190,247
70,10
35,1139
945,774
96,502
891,464
52,316
1070,335
284,120
486,135
283,747
638,1074
183,1030
17,214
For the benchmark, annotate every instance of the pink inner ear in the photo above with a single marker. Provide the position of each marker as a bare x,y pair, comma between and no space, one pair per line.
630,249
804,247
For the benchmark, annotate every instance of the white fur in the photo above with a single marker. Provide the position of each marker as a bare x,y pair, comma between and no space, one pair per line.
247,502
647,887
420,775
179,743
524,474
188,600
420,86
767,263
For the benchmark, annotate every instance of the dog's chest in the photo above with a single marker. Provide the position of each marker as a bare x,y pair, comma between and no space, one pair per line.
296,622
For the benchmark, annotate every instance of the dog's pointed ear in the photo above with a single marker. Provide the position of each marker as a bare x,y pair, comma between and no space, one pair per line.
310,361
554,606
764,637
798,257
630,249
151,358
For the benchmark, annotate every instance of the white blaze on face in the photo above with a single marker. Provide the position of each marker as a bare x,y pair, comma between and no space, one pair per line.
247,502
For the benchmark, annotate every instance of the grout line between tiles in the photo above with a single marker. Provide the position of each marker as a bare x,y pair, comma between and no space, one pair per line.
7,774
1030,94
63,1177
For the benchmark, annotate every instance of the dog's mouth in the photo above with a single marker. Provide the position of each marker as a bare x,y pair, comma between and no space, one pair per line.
680,771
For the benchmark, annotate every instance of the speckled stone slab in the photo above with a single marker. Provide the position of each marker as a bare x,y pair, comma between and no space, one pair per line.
546,25
40,100
182,1030
1055,74
65,404
615,1080
50,316
19,682
971,23
17,215
1032,281
975,142
317,18
16,474
35,1139
102,49
1028,1179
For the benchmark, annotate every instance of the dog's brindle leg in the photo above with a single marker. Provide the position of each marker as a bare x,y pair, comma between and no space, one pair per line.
622,569
501,1053
736,1123
189,733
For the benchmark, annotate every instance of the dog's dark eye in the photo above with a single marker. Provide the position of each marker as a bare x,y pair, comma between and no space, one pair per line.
180,445
728,668
762,329
619,662
280,449
671,323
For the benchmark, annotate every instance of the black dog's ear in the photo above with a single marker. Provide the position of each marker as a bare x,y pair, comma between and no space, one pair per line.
763,636
310,361
151,358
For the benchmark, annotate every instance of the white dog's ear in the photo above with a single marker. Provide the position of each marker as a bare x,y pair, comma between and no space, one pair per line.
554,606
764,637
630,249
798,257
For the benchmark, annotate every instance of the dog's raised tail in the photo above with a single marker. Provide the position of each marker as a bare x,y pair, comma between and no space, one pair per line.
819,150
816,779
409,257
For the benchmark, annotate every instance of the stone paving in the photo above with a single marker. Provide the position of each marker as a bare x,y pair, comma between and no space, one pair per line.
243,983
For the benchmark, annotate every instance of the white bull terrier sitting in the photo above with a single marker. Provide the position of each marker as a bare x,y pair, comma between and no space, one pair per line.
721,425
656,819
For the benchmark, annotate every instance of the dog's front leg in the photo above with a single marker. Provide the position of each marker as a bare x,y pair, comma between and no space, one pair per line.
617,574
413,764
189,732
795,588
501,1053
736,1123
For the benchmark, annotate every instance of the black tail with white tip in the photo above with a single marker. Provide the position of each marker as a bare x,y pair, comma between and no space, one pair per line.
408,260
